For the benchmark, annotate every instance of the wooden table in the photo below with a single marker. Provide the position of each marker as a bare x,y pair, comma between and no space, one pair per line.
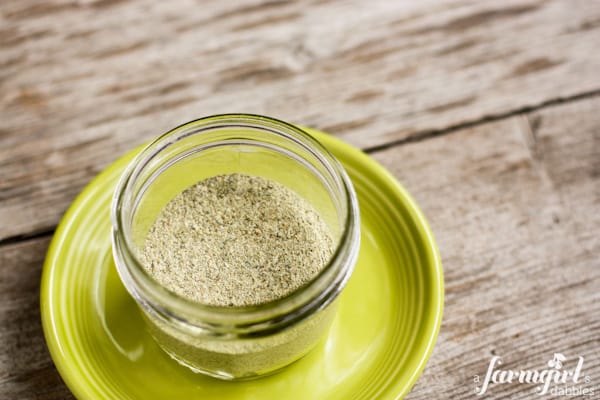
488,112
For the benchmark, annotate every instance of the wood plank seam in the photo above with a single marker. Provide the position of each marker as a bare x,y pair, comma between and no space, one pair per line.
428,134
27,236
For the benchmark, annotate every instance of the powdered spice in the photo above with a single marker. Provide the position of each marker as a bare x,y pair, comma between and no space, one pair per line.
236,240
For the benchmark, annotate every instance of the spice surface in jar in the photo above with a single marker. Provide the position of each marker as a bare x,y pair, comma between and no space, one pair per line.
235,234
236,240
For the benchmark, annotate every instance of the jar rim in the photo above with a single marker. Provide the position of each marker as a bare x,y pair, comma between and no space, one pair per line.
312,296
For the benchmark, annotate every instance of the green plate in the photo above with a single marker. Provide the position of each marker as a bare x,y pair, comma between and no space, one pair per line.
388,319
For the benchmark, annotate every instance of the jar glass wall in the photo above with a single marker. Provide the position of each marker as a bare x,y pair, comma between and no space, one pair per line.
235,342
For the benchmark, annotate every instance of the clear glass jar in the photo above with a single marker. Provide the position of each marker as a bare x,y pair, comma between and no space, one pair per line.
235,342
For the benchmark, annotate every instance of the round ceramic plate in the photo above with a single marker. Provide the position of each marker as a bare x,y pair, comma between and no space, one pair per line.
388,318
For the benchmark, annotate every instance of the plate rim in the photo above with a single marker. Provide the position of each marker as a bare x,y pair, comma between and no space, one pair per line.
80,388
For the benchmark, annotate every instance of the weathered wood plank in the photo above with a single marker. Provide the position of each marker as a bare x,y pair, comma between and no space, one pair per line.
514,206
81,82
26,369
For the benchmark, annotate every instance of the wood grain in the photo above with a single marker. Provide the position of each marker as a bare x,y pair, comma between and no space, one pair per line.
515,209
26,369
82,82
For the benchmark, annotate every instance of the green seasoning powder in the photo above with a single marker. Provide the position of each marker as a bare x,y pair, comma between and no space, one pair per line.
236,240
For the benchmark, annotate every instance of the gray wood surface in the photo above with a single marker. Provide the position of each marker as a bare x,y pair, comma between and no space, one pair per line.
515,207
486,111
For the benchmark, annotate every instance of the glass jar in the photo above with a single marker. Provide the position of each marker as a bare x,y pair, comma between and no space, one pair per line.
235,342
